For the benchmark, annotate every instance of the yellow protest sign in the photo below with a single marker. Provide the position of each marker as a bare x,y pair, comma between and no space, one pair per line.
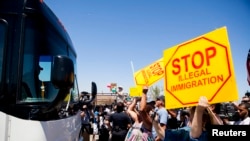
150,74
202,66
135,91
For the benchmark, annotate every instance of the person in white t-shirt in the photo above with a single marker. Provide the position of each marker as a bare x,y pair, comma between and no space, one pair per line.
243,114
120,94
243,110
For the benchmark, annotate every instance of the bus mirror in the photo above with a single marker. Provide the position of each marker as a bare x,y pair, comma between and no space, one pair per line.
93,89
62,72
86,96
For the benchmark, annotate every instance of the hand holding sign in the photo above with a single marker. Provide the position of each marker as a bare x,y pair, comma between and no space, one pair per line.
145,90
202,103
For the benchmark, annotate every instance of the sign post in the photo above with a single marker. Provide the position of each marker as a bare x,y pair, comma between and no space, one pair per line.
202,66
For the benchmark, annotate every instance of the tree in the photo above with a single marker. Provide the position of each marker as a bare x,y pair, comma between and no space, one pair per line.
155,91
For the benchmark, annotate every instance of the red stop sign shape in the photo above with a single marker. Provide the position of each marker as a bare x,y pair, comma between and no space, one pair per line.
199,67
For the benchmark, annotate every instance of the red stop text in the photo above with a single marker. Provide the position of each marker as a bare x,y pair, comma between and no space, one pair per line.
193,61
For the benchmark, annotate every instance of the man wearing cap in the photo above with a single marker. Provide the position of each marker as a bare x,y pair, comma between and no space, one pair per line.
163,115
120,95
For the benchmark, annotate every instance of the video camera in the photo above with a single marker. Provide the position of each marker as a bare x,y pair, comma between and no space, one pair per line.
227,110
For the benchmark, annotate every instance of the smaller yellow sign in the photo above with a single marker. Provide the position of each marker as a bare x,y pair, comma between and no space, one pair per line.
150,74
135,91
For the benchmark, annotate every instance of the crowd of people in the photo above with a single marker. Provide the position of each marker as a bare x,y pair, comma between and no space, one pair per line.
140,119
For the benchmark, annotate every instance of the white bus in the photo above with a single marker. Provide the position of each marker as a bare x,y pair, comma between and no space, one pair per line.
39,95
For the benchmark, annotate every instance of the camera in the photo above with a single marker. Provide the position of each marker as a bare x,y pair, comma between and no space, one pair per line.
227,110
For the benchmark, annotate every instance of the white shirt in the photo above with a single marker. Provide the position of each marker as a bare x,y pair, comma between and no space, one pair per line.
120,96
246,121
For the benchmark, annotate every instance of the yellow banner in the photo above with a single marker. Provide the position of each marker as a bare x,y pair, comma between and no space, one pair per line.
202,66
150,74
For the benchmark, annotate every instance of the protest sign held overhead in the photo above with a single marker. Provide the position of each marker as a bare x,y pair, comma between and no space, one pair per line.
202,66
150,74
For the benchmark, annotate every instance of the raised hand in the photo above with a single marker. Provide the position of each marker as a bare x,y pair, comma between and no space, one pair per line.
203,103
145,90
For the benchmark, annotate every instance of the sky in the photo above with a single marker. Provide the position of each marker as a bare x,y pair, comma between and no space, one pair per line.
114,38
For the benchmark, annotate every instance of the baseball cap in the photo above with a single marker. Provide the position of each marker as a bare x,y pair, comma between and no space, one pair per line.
161,97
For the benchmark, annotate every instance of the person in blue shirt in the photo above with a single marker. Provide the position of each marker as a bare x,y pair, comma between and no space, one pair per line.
196,130
163,116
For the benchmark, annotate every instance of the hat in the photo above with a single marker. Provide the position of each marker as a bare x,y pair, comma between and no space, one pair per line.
161,97
120,87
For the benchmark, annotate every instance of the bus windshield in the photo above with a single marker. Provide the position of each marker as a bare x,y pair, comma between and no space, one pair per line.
41,43
36,83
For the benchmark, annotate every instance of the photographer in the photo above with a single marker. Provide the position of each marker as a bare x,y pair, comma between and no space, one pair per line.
228,112
86,129
242,114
